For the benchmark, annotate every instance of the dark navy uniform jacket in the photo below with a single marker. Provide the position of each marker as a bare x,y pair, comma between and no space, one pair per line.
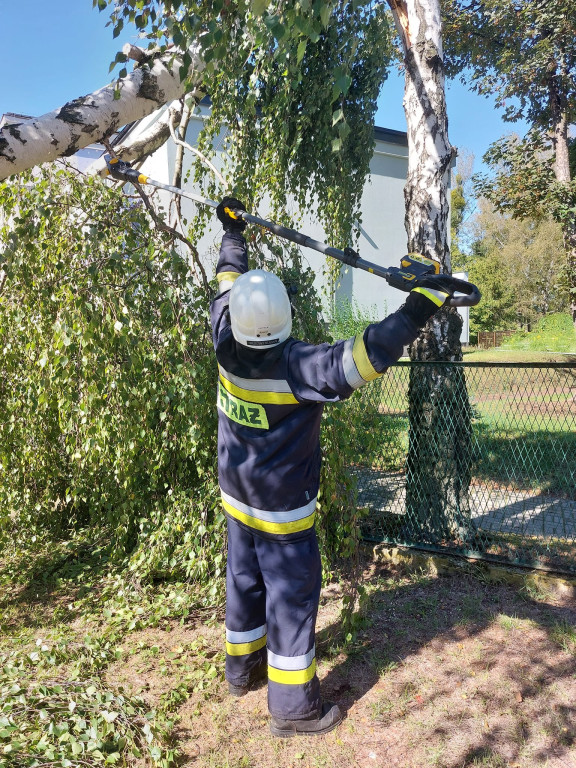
270,407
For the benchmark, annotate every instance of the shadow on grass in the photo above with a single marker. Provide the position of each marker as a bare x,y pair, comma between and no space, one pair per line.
435,658
539,459
37,590
427,640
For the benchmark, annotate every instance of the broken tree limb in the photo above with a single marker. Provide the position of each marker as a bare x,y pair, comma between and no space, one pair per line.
91,118
137,146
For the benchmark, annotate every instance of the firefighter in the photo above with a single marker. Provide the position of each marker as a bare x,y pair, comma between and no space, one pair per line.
272,389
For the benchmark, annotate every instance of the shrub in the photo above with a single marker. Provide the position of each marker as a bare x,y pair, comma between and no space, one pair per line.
553,333
107,383
349,319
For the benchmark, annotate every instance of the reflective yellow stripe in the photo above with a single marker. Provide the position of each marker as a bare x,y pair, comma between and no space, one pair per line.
240,411
142,179
271,398
262,525
365,367
292,677
227,276
241,649
432,295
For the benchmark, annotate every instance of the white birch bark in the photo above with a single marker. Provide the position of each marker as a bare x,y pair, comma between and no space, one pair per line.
91,118
429,151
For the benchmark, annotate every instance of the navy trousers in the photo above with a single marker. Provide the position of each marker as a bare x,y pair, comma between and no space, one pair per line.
272,594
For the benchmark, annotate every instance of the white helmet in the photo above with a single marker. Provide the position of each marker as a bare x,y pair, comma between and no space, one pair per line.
260,311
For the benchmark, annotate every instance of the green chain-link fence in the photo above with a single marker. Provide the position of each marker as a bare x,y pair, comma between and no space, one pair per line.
516,494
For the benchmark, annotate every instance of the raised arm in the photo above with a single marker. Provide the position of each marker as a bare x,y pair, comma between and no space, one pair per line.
232,262
331,372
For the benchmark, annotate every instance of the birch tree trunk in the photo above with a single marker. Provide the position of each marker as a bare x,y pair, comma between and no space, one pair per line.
438,465
98,115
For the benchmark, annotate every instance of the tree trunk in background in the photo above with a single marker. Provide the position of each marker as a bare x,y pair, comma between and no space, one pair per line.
439,455
569,230
559,136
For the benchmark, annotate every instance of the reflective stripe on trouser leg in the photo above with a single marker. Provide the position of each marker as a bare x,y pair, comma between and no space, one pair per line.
245,608
292,575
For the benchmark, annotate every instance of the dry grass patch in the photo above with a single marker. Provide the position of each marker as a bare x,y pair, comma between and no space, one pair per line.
444,671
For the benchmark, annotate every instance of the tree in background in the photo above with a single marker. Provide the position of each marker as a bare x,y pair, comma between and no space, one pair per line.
519,264
524,54
457,209
461,208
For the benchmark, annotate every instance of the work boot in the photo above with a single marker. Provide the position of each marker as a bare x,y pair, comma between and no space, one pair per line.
326,719
259,675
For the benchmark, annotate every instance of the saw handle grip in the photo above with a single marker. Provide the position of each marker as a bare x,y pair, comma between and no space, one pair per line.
468,294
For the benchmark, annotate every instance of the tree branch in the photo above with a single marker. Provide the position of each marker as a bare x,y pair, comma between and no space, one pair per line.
136,148
197,152
174,233
98,115
185,115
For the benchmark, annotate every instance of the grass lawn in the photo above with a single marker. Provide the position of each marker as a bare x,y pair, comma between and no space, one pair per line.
498,355
444,671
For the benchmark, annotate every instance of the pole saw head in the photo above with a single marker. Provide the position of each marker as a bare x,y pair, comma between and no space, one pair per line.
415,268
121,170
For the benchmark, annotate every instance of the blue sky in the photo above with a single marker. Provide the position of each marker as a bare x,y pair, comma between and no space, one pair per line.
54,52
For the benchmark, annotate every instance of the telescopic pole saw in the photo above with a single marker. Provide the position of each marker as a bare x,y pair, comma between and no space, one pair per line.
413,267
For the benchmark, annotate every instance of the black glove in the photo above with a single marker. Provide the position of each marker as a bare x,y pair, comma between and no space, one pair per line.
430,293
230,224
440,287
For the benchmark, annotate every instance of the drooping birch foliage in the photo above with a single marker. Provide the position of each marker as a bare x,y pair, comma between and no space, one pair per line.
294,84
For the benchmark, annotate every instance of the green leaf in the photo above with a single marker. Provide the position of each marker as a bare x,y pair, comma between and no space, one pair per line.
76,748
301,51
258,7
341,86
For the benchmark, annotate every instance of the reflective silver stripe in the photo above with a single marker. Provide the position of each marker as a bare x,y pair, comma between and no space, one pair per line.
257,385
292,663
350,370
224,286
269,516
226,280
246,637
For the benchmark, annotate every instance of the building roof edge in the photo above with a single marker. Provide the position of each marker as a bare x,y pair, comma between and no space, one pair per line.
391,136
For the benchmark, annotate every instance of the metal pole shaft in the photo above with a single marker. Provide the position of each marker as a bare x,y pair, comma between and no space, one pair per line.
351,259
